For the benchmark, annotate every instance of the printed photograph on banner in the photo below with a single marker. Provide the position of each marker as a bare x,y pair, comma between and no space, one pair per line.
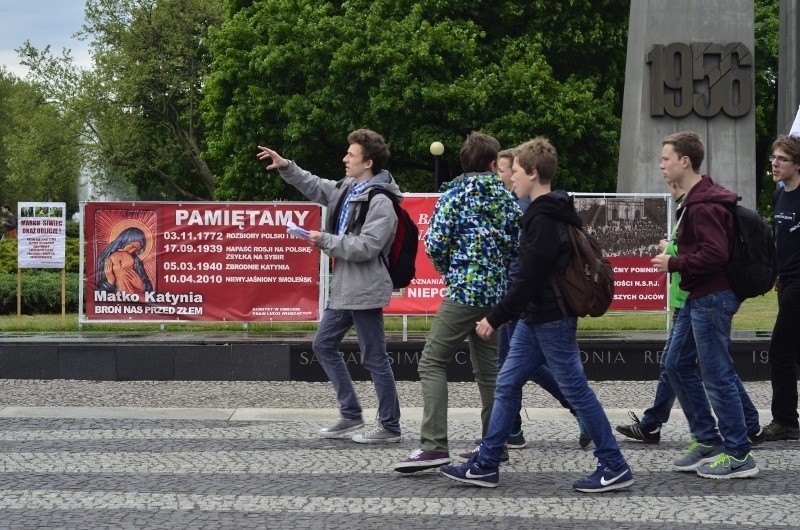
626,226
125,260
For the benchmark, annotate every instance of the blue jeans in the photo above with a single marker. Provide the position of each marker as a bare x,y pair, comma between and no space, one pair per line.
542,376
702,333
372,341
532,346
659,412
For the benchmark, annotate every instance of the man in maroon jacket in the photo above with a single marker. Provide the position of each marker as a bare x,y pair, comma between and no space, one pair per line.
702,332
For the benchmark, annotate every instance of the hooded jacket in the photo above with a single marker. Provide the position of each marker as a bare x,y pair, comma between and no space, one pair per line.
472,238
705,239
360,279
545,251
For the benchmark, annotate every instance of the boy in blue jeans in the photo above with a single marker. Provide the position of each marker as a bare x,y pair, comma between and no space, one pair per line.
542,377
544,334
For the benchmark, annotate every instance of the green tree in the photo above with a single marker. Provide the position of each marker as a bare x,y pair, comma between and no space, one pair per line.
39,156
139,106
766,94
299,76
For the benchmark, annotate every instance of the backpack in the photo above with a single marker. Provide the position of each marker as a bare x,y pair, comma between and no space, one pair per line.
753,267
587,284
401,262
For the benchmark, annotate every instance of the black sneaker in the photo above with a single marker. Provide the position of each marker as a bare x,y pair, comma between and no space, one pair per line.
757,438
516,441
636,432
467,455
775,432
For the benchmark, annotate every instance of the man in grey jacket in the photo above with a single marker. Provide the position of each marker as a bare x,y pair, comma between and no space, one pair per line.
360,285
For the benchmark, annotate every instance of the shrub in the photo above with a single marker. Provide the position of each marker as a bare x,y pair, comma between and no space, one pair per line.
41,292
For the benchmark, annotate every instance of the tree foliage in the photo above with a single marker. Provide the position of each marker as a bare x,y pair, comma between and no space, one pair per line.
182,91
766,93
39,157
139,106
299,75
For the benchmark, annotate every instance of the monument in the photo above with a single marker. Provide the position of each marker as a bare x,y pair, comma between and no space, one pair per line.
689,67
788,54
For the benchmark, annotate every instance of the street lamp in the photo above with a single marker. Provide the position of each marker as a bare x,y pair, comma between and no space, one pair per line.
437,150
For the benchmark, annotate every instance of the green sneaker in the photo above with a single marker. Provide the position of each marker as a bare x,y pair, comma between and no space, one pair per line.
726,466
696,455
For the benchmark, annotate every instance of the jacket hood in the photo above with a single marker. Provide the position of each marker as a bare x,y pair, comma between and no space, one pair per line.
558,204
383,179
482,191
709,191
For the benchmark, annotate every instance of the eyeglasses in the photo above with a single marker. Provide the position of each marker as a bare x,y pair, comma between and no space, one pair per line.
781,159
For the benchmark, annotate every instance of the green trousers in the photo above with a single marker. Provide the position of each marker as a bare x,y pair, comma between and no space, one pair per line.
453,324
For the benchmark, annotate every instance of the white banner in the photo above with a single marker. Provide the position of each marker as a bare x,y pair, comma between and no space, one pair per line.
42,233
795,130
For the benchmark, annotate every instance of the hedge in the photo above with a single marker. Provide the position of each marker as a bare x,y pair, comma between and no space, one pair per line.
41,288
41,292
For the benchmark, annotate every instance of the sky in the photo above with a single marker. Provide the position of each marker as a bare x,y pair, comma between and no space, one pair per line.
42,22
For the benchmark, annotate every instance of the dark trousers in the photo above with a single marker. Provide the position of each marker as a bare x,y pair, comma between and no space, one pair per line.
784,354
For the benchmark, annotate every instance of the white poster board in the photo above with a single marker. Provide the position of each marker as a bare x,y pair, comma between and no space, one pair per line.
795,130
42,234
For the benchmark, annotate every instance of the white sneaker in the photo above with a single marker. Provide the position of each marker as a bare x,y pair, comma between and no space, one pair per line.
376,436
342,426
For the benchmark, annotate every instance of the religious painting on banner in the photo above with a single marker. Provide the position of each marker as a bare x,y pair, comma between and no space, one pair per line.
149,261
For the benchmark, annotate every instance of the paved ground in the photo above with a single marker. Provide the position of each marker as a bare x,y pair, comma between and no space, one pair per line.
80,454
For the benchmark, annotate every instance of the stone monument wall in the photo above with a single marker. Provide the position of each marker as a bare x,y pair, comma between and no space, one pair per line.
690,67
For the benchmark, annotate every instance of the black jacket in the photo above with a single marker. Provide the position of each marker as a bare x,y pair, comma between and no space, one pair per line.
545,251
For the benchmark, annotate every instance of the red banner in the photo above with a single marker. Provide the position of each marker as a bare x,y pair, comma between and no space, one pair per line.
637,285
199,261
628,229
424,295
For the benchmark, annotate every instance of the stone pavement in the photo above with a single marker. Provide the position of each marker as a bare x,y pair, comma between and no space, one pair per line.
82,454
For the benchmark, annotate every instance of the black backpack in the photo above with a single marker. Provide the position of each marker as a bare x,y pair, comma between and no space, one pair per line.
401,262
753,268
587,284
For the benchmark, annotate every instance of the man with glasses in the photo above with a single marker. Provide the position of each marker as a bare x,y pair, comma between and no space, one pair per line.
784,346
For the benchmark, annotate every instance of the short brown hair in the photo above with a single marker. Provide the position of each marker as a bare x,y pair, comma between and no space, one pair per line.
478,152
687,144
507,153
538,154
789,145
373,147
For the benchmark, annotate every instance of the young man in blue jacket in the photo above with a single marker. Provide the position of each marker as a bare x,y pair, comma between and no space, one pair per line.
471,240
